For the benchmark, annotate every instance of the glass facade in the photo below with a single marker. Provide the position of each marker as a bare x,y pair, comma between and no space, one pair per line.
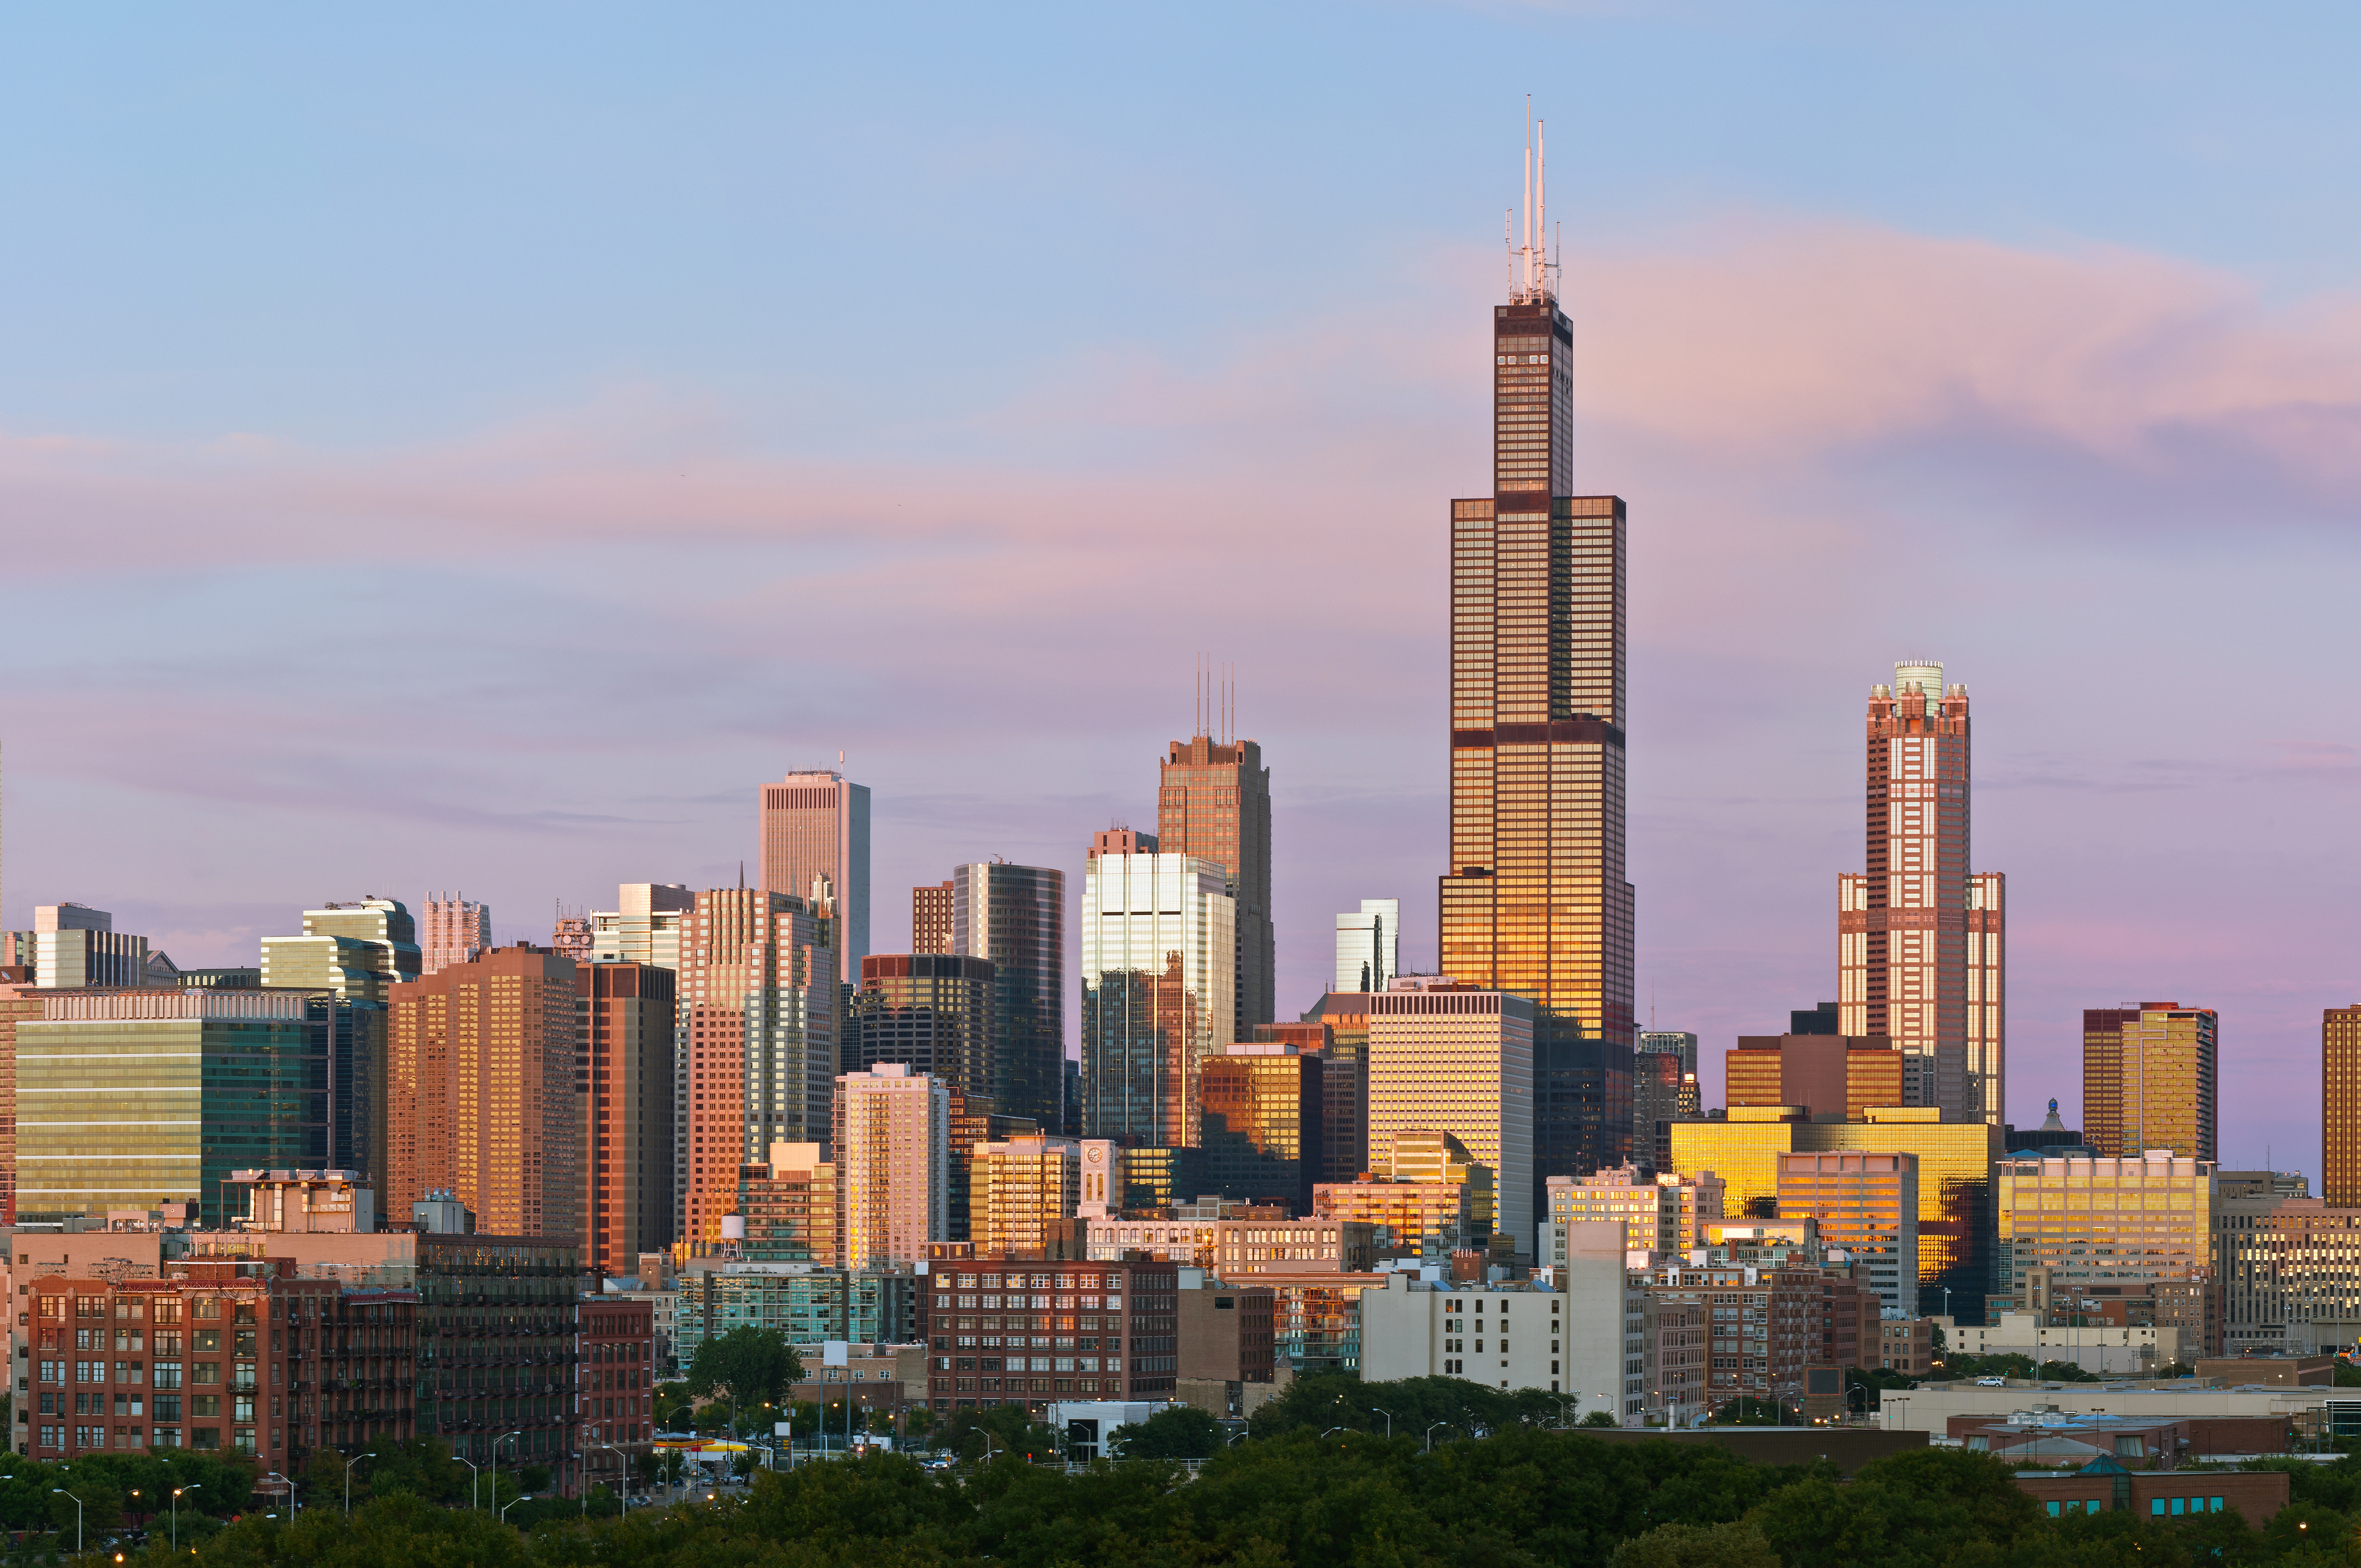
1019,1190
1262,1124
2106,1220
2150,1079
1368,945
789,1206
1213,804
1158,946
1016,916
1459,1062
934,1012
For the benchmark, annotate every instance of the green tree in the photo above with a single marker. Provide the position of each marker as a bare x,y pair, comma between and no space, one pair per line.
1739,1545
1923,1508
755,1366
1597,1419
1183,1431
400,1531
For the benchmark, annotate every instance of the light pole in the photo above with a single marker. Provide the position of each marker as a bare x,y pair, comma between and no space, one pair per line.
1430,1435
496,1462
61,1492
194,1487
476,1473
1390,1421
356,1459
623,1463
512,1502
274,1475
1333,1430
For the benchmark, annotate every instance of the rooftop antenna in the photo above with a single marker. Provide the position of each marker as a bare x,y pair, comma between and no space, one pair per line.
1541,206
1525,252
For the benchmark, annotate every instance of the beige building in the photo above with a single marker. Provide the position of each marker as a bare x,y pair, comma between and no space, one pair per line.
1018,1191
1866,1204
2150,1079
2110,1350
1666,1214
2075,1227
892,1164
1447,1059
1236,1247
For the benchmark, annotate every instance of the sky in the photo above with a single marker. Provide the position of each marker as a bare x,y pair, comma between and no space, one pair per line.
461,449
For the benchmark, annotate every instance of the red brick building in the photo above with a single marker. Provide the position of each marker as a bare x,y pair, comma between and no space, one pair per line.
2103,1487
618,1351
1023,1330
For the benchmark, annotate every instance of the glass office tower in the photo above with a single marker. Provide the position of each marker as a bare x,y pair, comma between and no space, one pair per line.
1157,945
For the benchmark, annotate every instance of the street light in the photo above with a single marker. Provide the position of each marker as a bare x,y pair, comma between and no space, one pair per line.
1335,1429
512,1502
623,1491
1390,1420
61,1492
476,1473
496,1462
356,1459
192,1486
1430,1435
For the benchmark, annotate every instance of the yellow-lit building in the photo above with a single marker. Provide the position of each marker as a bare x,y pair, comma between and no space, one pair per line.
2150,1076
1866,1202
2340,1107
1438,1184
1019,1189
1663,1215
2105,1221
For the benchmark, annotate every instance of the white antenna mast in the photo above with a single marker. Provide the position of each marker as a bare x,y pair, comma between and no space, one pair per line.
1540,207
1525,253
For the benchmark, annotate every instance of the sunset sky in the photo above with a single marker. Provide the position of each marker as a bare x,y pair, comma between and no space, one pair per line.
450,449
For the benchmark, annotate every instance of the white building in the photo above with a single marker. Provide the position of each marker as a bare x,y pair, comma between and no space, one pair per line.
1368,945
1582,1334
644,926
1447,1058
2110,1350
1159,955
77,946
1667,1213
893,1165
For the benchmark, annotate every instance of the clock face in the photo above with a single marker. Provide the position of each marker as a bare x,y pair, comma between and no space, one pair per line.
1096,1155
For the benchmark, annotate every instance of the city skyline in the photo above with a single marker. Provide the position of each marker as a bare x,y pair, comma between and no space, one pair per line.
1965,400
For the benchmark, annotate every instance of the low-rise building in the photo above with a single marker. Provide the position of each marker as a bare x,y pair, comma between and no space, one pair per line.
616,1344
1906,1345
2048,1435
2103,1487
2116,1350
877,1378
1227,1332
1931,1406
1674,1360
1665,1215
1762,1326
1092,1330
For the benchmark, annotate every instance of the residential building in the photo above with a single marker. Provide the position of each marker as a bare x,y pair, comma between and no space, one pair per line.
1866,1203
1919,934
1836,1078
1158,995
789,1206
1368,945
755,1045
1227,1332
892,1150
1455,1059
1316,1319
623,1095
1905,1346
2068,1225
1015,918
934,1012
815,827
1261,1123
1955,1180
497,1325
930,918
131,1099
1454,1211
2340,1106
1663,1091
479,1093
1019,1191
645,926
974,1122
1661,1215
806,1303
458,931
1231,1243
615,1350
1098,1330
1762,1326
75,945
1674,1360
2150,1079
1536,902
1212,803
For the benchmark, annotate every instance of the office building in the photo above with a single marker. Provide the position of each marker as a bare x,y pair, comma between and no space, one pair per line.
1015,918
1229,1239
458,931
2110,1226
1212,803
1536,902
2150,1079
1834,1077
1448,1059
934,1012
930,918
789,1204
892,1153
974,1122
815,828
756,1045
2288,1270
572,936
1430,1195
976,1315
1866,1204
1663,1091
1956,1161
1585,1342
1343,1018
1019,1190
356,953
1825,1019
623,1095
1262,1134
1368,945
1157,949
136,1098
1157,1176
1665,1215
645,926
2340,1106
480,1098
75,945
19,1000
1919,935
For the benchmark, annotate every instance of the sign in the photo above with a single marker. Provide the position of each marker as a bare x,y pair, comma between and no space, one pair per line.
836,1353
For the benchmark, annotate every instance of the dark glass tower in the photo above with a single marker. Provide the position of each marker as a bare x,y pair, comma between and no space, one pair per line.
1016,916
1536,902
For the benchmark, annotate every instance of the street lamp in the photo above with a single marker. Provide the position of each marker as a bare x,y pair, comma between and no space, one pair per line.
512,1502
476,1473
356,1459
61,1492
192,1486
1390,1420
1334,1429
496,1462
1430,1435
622,1462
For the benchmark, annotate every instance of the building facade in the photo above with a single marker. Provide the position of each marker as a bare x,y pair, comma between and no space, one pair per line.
936,1013
789,1205
1458,1060
1828,1075
1261,1124
1020,1190
2073,1226
1015,918
1866,1203
645,926
892,1154
458,931
1158,995
930,918
1665,1215
1092,1330
623,1094
2150,1079
1212,803
614,1376
2340,1106
1368,945
815,828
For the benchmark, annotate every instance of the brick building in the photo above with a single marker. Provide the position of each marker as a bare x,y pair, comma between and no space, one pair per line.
617,1345
1092,1330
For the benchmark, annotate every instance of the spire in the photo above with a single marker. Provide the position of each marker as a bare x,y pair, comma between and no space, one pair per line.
1530,266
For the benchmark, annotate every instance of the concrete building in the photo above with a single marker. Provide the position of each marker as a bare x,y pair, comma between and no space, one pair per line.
645,926
1906,1345
1425,1216
623,1097
1673,1364
893,1154
1448,1059
2340,1106
755,1048
1020,1190
458,931
75,945
1212,803
1158,946
1931,1406
480,1096
1836,1078
1369,945
2288,1271
2110,1350
2072,1226
2150,1079
1866,1203
1261,1123
1015,917
1919,934
930,918
1236,1246
814,847
1662,1214
1227,1332
789,1205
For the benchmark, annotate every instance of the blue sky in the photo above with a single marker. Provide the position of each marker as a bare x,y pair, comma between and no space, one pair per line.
450,450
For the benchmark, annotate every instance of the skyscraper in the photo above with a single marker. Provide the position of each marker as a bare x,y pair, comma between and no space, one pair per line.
931,1012
1263,1138
76,946
1458,1059
1919,936
816,823
2150,1078
1535,901
1368,945
1212,803
644,926
2340,1106
1015,915
1158,944
458,931
892,1147
623,1091
356,953
930,918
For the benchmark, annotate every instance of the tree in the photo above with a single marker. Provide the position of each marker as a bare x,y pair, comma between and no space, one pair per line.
1736,1545
756,1365
1745,1411
1597,1419
1183,1431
